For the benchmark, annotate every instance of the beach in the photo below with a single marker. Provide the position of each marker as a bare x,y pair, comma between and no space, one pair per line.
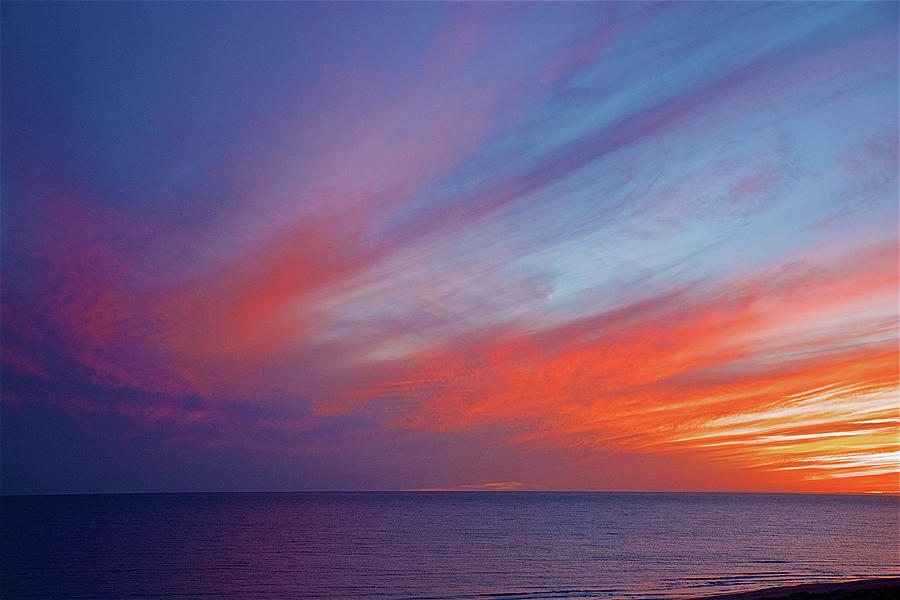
863,589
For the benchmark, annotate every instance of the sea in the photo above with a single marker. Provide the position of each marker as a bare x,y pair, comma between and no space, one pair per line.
438,545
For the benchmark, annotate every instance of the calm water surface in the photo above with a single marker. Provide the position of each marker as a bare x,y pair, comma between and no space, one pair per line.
438,545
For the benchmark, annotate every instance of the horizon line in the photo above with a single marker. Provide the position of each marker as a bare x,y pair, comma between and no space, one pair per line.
453,491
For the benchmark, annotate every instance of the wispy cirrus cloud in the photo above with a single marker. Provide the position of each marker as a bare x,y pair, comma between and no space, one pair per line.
497,486
584,234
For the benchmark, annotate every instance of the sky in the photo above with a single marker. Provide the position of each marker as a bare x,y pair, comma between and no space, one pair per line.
379,246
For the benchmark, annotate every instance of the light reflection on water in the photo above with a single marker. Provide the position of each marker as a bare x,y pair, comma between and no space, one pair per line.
439,545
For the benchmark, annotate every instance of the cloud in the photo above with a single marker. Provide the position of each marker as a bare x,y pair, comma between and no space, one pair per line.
679,373
499,486
584,235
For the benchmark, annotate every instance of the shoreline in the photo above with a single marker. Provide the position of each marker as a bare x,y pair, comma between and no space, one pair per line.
875,589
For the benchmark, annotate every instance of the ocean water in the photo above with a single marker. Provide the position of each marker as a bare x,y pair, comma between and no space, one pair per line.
438,545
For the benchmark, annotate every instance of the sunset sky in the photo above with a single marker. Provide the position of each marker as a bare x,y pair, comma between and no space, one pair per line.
587,246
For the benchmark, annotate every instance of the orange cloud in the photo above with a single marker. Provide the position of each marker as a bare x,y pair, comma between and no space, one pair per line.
794,372
498,486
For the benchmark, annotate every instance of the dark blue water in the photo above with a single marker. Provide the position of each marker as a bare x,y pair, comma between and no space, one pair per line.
438,545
